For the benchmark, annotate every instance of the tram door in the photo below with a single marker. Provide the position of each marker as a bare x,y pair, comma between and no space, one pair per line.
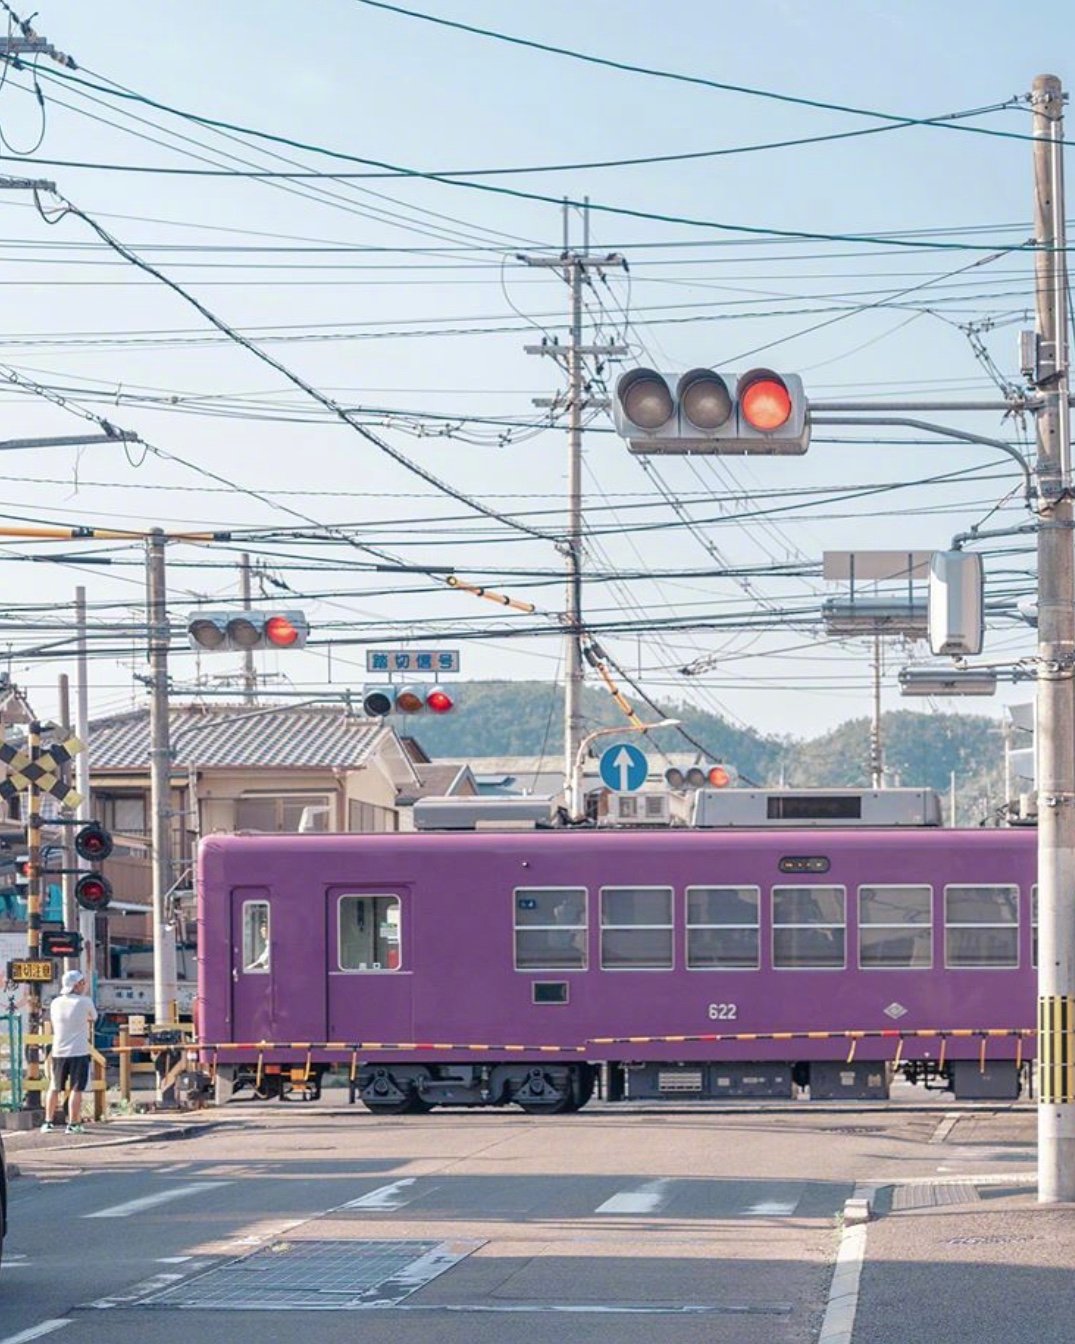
277,985
370,939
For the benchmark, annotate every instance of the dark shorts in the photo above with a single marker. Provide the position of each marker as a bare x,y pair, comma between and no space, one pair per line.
73,1069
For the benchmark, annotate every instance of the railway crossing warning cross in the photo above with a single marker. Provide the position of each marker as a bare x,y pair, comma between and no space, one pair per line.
42,773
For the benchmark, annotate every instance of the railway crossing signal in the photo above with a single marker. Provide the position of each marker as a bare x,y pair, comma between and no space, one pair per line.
703,411
61,943
93,842
42,772
242,630
93,892
379,701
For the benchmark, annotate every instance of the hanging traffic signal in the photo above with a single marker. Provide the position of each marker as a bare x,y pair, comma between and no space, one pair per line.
93,892
708,412
241,630
701,777
379,701
93,842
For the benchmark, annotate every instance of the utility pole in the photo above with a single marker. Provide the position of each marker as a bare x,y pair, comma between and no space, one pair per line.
250,677
574,268
87,919
877,751
1056,651
160,761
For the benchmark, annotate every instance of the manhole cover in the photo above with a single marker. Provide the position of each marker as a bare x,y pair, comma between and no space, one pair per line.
315,1276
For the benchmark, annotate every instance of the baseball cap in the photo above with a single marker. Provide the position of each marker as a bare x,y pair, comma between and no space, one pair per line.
71,979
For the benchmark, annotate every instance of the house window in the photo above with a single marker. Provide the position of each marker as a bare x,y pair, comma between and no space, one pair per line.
369,933
896,927
809,928
283,812
550,928
123,815
368,817
722,928
636,928
981,926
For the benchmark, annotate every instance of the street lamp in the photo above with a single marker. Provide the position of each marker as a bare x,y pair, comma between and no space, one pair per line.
574,802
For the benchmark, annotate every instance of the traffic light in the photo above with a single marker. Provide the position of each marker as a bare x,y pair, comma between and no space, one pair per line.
703,411
379,701
93,892
93,842
701,777
238,631
61,943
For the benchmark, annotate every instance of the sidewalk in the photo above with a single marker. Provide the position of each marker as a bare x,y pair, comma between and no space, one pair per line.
153,1127
967,1258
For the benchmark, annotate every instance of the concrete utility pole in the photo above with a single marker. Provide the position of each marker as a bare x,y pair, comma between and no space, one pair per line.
877,750
574,267
1056,652
160,761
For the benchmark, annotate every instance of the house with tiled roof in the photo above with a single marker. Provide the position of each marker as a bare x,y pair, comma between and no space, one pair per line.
243,768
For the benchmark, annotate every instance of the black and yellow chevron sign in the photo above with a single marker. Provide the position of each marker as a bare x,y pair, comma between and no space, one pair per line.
42,773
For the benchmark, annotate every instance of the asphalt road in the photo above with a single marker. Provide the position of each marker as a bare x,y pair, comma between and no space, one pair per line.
280,1220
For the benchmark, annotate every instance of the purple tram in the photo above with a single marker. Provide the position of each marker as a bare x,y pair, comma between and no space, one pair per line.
519,967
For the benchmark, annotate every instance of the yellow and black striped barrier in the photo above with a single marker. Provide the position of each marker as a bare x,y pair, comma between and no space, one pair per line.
1056,1048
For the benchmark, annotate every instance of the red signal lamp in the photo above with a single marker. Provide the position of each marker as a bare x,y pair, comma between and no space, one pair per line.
439,701
764,400
93,892
93,842
281,632
717,777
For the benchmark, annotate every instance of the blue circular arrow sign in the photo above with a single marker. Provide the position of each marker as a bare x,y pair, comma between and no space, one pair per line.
623,767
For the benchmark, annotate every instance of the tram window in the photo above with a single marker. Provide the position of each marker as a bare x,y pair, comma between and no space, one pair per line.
981,926
636,928
256,937
896,927
722,928
809,928
1034,925
550,928
369,933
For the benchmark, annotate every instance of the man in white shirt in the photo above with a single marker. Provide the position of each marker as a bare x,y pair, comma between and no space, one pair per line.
72,1013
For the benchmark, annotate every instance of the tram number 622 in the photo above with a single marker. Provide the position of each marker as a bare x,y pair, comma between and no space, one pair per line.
723,1012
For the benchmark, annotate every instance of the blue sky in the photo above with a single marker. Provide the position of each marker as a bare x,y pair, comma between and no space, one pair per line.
425,327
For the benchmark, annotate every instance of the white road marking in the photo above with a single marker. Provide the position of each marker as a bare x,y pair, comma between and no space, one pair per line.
945,1126
839,1323
384,1197
151,1201
36,1331
173,1259
771,1208
646,1199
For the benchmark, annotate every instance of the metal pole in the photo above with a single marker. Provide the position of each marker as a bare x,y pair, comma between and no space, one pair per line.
70,909
160,759
87,920
34,892
1056,648
250,678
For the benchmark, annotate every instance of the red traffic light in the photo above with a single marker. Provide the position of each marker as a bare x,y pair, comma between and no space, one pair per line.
764,400
93,842
93,892
281,632
439,701
718,777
